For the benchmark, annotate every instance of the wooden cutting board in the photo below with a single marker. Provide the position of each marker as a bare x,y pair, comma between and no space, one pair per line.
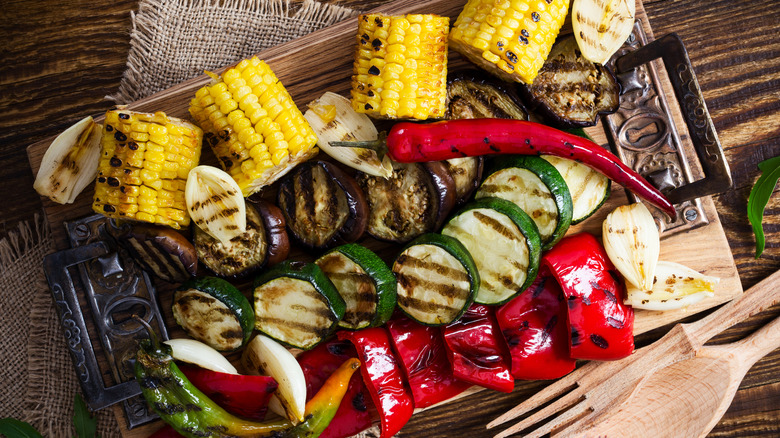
322,61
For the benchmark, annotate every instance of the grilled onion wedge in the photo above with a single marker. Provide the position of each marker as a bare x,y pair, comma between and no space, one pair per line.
632,243
437,279
215,203
504,243
537,188
674,287
602,26
70,163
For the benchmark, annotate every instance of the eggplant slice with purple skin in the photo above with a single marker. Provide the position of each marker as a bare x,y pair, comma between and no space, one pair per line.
415,200
473,94
323,206
571,91
161,251
264,243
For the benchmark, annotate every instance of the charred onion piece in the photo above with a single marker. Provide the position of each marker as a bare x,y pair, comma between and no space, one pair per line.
414,200
243,254
161,252
323,206
571,91
474,95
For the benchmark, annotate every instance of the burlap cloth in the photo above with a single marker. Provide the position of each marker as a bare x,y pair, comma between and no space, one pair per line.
171,41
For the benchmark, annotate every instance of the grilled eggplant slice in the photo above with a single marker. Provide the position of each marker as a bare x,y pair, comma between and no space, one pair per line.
415,200
161,251
296,304
213,311
437,279
467,173
535,186
263,243
571,91
472,94
365,283
323,206
504,243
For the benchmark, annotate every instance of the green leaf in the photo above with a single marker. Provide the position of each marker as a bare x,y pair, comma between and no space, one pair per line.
759,197
13,428
84,423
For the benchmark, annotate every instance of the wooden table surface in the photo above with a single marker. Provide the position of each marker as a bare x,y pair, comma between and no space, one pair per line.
60,58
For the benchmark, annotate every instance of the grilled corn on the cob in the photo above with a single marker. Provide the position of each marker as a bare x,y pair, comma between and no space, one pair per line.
144,162
400,68
510,38
253,125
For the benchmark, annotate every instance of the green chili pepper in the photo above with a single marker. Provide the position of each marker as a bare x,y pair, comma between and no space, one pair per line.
180,404
192,414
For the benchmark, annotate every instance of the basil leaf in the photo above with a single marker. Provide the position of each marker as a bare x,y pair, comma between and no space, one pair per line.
13,428
83,422
759,197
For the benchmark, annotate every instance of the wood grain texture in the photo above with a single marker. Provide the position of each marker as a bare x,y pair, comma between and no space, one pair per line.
59,60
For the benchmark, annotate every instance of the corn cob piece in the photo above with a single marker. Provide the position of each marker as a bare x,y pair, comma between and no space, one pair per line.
144,162
400,68
509,38
253,125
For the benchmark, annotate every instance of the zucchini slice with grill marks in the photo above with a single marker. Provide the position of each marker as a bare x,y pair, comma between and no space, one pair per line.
214,312
535,186
365,283
437,279
296,304
504,243
589,189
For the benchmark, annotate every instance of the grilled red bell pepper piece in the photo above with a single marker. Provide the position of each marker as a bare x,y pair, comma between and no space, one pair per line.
318,364
413,142
534,327
246,396
383,377
476,352
601,326
424,358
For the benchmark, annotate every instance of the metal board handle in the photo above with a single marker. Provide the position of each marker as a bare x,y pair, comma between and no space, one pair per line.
670,48
96,394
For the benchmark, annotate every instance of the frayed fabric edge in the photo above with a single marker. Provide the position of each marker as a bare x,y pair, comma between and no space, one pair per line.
27,235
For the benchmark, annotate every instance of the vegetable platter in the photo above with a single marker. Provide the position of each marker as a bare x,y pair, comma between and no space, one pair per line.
322,61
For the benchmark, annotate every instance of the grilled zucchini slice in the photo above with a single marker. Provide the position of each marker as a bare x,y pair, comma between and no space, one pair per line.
437,279
214,312
365,283
296,304
589,189
535,186
504,243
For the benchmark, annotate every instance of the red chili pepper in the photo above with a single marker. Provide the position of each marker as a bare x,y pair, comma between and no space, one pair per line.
534,326
475,351
601,326
424,358
353,415
383,377
166,431
413,142
246,396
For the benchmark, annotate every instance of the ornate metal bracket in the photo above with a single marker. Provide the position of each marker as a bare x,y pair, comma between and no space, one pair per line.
644,135
111,289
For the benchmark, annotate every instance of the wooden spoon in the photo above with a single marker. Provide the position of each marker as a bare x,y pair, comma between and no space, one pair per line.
688,398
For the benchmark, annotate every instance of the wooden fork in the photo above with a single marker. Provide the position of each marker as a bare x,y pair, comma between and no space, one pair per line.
596,387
